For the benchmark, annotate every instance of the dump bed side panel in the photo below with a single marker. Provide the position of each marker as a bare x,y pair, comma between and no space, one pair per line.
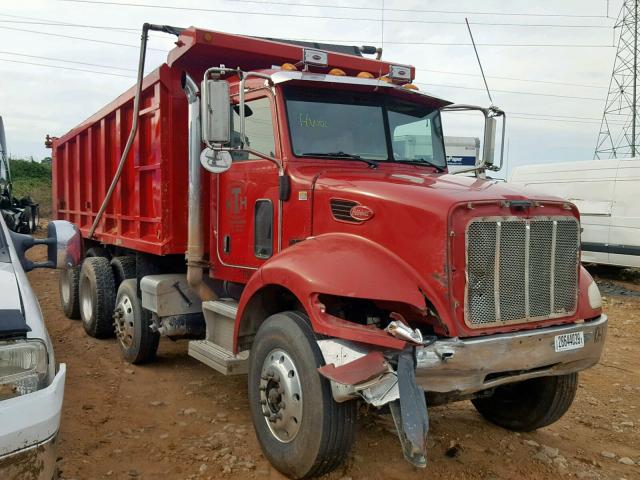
147,211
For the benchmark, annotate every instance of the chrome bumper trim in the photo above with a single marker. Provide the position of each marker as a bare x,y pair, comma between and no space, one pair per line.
468,366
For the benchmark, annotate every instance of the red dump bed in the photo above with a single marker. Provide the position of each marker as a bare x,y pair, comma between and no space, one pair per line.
148,210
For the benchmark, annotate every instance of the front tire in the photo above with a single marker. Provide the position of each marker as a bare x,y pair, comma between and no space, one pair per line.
69,282
97,297
303,432
138,343
531,404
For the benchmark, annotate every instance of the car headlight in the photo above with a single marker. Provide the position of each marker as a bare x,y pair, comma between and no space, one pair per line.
23,367
595,299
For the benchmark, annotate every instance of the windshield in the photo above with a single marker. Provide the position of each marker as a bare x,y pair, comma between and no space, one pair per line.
368,126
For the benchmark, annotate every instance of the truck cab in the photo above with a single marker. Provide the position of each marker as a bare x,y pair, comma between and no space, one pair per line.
330,256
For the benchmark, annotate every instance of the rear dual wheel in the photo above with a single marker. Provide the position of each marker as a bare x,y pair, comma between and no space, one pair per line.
302,431
97,297
69,283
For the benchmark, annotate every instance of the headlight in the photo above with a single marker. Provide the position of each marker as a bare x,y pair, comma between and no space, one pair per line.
23,368
595,299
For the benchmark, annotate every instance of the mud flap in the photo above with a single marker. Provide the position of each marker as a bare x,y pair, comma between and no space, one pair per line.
410,413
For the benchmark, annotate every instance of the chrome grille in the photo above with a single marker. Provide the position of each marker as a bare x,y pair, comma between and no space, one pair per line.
521,270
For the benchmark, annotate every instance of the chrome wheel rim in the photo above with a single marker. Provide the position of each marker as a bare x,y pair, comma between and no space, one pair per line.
65,286
86,301
124,319
281,395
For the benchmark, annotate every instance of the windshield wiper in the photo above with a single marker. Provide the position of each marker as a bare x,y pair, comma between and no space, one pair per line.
341,154
422,161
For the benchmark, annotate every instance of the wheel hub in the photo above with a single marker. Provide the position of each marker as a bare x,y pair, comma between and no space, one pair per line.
123,317
281,395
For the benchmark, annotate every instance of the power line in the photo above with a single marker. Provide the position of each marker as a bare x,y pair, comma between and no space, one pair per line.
441,22
448,44
508,91
79,38
67,61
75,25
274,14
551,115
552,120
411,10
55,23
511,78
66,68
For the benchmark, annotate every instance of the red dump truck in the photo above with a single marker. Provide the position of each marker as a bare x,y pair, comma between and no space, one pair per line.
329,254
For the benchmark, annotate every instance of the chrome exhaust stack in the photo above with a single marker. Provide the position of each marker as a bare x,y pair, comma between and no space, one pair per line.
196,265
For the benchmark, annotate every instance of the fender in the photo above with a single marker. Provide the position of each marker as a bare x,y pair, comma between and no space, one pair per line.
343,265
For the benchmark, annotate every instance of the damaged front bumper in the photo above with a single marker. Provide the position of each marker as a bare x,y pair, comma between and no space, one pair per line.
455,366
455,369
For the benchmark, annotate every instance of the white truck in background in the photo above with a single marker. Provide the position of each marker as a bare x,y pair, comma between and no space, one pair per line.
461,152
607,193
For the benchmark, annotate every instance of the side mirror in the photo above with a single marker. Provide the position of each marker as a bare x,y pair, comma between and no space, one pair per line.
489,141
489,144
64,246
216,112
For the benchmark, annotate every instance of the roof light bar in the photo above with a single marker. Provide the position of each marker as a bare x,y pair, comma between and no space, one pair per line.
316,58
400,73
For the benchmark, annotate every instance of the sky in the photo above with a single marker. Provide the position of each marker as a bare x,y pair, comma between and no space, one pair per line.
556,51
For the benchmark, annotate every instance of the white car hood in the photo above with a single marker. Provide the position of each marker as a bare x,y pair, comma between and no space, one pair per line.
9,293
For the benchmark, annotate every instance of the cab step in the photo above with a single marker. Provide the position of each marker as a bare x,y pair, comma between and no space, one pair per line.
218,358
216,350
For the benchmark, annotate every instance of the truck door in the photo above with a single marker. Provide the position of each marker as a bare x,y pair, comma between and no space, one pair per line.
247,213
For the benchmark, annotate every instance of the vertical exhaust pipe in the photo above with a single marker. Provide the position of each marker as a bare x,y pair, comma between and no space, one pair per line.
195,242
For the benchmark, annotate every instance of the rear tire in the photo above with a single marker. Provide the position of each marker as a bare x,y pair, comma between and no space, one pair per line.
308,434
138,343
124,268
529,405
35,217
97,297
69,281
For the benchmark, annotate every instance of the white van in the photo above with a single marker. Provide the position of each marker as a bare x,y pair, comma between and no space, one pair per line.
607,193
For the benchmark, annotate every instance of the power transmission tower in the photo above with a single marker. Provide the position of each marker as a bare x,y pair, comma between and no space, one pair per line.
620,125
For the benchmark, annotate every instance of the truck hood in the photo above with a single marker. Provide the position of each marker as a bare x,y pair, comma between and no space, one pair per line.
414,187
418,216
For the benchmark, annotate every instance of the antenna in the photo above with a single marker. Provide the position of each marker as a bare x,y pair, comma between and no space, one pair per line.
479,63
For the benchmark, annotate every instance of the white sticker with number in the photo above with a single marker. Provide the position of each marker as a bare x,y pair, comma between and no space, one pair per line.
569,341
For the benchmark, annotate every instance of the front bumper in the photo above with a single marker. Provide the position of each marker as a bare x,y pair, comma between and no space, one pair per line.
461,367
37,462
28,430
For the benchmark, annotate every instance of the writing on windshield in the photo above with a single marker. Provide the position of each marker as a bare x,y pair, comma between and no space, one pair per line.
365,126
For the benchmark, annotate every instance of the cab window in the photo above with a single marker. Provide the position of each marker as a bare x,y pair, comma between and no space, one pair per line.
258,126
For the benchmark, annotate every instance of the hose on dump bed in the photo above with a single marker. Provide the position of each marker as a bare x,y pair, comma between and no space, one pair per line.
136,113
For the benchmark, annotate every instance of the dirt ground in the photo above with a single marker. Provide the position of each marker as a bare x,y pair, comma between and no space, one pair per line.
179,419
